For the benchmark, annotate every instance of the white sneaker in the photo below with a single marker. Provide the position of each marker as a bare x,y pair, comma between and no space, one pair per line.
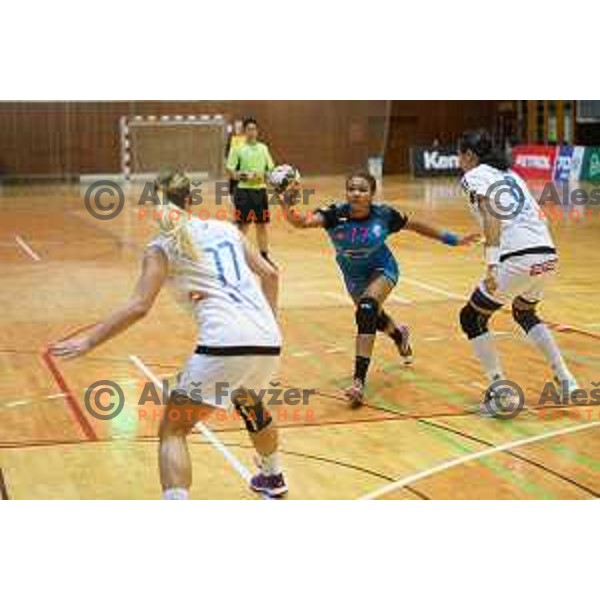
494,404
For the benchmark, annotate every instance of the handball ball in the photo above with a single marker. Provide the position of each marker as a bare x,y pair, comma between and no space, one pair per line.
282,176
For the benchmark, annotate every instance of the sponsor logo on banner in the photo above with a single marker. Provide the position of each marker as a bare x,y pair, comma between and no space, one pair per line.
428,161
534,162
562,167
577,163
591,164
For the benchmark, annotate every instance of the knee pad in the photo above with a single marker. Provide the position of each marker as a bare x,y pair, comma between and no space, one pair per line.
475,315
526,317
473,322
255,416
366,315
383,321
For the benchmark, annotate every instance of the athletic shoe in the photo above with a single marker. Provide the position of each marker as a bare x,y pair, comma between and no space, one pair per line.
355,394
495,403
404,348
272,485
566,387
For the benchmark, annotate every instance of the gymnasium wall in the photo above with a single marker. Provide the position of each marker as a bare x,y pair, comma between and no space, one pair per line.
61,139
71,138
414,123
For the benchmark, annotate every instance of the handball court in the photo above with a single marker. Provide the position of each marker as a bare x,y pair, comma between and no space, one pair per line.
418,438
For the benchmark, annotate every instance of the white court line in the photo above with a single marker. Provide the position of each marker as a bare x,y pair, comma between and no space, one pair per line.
396,485
395,299
27,248
208,434
433,288
335,350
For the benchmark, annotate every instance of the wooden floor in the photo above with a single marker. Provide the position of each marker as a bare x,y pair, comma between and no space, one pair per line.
418,439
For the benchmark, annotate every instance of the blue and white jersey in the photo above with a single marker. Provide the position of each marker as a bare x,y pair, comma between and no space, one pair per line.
360,244
221,290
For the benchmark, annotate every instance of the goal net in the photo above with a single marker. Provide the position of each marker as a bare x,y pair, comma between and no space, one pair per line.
194,144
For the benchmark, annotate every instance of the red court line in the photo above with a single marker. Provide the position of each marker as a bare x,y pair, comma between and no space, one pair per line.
72,403
564,328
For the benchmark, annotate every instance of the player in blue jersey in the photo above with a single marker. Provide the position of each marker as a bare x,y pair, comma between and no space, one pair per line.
358,229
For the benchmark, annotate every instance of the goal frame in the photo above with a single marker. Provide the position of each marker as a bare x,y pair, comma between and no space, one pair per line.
153,120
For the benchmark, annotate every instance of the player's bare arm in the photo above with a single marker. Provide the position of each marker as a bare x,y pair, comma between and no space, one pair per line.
266,272
150,282
491,233
437,234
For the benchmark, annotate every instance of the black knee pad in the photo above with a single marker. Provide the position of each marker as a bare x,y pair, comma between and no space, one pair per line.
473,322
526,317
255,416
383,321
366,315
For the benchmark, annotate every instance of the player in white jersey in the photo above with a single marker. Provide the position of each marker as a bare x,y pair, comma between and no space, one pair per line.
520,257
213,270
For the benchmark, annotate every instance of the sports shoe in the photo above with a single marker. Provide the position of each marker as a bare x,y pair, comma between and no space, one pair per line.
355,393
496,403
404,348
273,486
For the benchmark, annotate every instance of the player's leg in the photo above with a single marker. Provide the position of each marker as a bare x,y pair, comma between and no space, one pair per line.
263,219
262,239
474,318
242,206
368,307
524,310
400,334
264,436
180,416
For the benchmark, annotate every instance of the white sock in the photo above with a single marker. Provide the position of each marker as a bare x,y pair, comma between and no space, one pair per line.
176,493
540,336
485,350
270,465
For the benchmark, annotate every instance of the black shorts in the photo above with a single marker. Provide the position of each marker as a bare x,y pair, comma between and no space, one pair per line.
233,183
253,205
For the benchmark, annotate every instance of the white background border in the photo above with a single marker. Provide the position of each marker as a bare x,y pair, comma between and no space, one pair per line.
313,50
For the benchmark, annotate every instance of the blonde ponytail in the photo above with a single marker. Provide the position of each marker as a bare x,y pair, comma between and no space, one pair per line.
173,220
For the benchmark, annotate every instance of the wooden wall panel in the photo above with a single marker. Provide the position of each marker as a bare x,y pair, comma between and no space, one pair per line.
320,137
421,122
56,139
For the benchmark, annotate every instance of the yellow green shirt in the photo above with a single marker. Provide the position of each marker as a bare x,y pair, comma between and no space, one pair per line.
251,157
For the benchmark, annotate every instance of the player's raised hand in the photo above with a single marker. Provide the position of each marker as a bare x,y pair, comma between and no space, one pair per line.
470,239
71,348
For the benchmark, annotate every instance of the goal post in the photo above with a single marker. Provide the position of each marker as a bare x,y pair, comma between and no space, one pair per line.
195,144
